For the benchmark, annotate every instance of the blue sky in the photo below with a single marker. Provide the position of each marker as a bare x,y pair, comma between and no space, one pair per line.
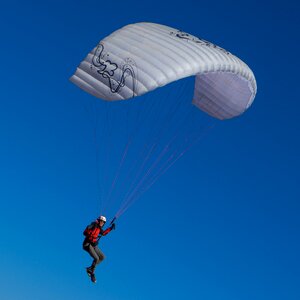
223,223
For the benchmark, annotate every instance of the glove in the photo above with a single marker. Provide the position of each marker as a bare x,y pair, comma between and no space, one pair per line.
113,226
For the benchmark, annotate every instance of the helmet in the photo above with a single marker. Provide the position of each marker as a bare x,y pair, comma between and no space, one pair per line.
102,218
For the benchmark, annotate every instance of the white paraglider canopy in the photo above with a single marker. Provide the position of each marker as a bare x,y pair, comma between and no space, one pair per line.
141,57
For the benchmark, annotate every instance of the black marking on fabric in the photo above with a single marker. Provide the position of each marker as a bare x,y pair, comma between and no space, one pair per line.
116,75
190,38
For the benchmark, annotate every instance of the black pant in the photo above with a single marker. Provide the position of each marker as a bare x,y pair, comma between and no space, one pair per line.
94,252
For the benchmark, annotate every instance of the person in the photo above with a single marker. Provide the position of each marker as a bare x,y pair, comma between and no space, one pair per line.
93,233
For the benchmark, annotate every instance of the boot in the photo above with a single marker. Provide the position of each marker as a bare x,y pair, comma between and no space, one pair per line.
90,271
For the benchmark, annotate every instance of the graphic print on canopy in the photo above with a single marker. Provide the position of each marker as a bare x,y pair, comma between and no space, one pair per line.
111,71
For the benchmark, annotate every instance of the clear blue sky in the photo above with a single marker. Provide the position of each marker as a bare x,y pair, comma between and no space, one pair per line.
223,223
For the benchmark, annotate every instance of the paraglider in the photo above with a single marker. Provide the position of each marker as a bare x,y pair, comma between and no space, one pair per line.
93,233
138,59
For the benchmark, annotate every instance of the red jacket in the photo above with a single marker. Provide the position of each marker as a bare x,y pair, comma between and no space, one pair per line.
93,231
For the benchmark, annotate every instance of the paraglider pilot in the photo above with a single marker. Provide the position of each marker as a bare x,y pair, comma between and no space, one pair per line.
93,233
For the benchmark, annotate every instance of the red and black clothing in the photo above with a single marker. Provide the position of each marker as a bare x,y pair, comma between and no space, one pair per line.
93,231
90,243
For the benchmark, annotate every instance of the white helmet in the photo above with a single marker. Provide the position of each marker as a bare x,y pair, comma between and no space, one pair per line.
102,218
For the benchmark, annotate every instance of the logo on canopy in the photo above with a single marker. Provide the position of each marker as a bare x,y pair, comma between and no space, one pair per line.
116,75
190,38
